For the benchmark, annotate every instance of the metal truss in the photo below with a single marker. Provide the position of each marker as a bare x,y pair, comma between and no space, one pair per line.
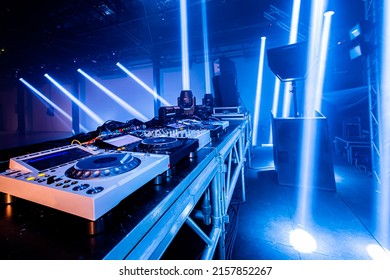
282,19
212,184
371,11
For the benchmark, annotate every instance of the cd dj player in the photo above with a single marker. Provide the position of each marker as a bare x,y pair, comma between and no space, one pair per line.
78,180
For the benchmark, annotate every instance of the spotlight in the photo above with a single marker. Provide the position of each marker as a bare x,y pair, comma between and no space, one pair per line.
187,102
208,100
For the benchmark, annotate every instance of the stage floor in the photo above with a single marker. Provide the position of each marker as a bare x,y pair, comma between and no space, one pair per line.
341,225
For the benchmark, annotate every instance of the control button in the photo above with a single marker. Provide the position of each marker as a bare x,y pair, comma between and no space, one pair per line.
74,183
87,174
30,178
106,172
65,186
41,175
66,181
80,187
116,170
50,180
59,184
96,173
95,190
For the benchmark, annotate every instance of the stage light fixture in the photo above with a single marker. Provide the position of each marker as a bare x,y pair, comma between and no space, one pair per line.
141,83
47,101
187,102
258,91
81,105
114,97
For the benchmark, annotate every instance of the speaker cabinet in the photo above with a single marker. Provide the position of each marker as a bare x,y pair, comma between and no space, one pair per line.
287,145
288,62
225,91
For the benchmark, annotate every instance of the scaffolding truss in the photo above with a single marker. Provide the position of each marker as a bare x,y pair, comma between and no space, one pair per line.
371,15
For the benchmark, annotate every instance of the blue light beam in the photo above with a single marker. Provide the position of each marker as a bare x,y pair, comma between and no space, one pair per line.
184,46
294,22
113,96
315,45
206,47
287,95
48,101
81,105
258,92
383,186
275,104
312,103
322,59
142,84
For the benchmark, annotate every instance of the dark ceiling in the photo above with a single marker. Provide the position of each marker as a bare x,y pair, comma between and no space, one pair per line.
48,35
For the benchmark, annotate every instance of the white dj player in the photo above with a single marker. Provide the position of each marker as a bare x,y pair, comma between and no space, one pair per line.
80,181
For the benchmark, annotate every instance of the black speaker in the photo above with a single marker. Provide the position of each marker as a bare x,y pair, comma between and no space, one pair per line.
225,91
287,144
289,63
224,66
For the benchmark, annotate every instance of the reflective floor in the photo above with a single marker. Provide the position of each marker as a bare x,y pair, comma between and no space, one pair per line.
341,225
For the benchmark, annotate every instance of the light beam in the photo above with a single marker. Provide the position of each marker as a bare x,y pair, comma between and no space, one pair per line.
184,46
206,47
142,84
287,95
313,98
258,91
113,96
48,101
383,186
81,105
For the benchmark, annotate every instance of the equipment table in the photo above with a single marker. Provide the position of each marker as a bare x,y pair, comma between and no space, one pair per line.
143,225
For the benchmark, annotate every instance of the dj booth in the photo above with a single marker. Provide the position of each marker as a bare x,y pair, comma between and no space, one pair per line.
196,190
